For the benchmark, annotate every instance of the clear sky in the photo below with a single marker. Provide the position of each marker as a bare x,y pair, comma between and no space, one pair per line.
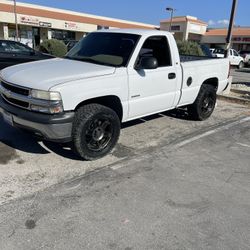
216,12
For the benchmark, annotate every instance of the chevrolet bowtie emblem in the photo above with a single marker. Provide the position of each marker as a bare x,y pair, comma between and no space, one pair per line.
7,93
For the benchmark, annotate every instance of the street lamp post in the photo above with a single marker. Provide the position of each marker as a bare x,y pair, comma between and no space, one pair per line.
171,18
15,11
230,28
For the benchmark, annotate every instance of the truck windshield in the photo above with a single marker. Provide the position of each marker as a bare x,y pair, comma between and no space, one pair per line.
105,48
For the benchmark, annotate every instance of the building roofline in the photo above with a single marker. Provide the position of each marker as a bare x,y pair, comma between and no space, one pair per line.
79,14
239,31
179,19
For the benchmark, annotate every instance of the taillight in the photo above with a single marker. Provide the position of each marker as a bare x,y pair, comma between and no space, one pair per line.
229,70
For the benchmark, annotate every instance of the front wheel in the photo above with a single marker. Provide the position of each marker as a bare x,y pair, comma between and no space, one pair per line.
204,104
95,132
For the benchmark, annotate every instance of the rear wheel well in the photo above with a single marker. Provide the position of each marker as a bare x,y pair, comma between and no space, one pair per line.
213,82
112,102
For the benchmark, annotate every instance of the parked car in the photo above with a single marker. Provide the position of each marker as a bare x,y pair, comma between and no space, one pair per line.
219,52
212,50
108,78
12,53
246,56
234,57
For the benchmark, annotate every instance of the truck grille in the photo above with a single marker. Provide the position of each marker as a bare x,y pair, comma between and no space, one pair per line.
21,97
15,89
12,90
16,102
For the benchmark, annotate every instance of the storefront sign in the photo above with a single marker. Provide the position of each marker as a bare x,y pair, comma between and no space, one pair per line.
241,39
71,26
45,24
29,20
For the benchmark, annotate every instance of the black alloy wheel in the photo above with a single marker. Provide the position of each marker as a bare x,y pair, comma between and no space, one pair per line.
95,132
99,134
204,104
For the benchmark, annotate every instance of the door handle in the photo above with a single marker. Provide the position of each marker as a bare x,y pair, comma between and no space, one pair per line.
171,76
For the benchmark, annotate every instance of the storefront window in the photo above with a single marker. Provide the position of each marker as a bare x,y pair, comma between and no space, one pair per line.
25,34
63,35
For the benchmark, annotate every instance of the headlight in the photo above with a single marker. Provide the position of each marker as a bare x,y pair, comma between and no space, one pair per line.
46,95
46,101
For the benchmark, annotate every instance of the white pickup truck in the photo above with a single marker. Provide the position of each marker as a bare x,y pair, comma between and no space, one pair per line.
108,78
234,58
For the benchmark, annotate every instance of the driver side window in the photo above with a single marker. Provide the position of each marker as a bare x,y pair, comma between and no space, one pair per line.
158,47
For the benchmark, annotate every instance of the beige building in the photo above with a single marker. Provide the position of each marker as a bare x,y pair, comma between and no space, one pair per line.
191,28
37,23
185,27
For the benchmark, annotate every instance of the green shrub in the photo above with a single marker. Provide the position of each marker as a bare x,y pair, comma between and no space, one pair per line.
53,47
189,48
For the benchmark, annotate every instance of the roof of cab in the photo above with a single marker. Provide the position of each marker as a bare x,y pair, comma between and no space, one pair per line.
141,32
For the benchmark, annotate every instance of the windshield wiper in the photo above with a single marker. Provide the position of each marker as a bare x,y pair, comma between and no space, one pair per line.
90,60
69,57
83,59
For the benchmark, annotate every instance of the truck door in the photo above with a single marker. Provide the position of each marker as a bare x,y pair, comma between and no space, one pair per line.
153,90
234,59
237,58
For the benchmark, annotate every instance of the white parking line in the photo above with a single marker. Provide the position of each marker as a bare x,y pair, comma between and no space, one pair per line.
213,131
195,138
243,145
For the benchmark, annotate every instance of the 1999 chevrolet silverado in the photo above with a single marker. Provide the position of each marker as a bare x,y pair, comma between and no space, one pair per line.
108,78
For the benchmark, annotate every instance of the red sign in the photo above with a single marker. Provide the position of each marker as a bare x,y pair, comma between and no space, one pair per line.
241,39
71,26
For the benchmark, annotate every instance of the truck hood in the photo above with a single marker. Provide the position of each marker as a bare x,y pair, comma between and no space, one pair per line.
46,74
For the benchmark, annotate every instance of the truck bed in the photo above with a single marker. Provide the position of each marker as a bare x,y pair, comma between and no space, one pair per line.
196,70
187,58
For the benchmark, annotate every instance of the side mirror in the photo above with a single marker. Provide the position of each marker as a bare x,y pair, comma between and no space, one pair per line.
147,63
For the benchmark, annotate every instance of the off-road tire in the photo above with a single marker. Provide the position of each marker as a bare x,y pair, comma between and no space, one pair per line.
197,110
85,117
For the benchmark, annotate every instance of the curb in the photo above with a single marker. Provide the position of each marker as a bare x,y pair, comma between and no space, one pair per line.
234,100
239,91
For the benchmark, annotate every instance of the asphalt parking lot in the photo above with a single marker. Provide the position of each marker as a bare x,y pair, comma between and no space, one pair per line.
171,183
28,166
241,76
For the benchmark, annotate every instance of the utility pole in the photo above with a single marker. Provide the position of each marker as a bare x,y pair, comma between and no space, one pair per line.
171,18
15,11
230,28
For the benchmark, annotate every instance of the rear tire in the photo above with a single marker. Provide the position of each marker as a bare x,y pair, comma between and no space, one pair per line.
204,104
95,132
